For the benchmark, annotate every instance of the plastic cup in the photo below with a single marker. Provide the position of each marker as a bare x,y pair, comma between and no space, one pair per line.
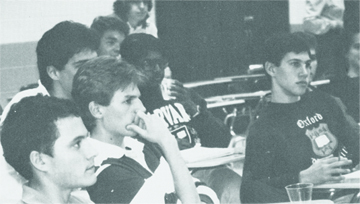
299,192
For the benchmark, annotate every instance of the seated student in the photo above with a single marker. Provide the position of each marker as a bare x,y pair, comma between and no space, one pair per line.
347,88
112,31
298,136
136,14
187,115
45,140
131,143
59,53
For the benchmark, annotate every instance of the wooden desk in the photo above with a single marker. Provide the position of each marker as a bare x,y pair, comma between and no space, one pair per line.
216,161
225,103
222,80
352,181
309,202
202,157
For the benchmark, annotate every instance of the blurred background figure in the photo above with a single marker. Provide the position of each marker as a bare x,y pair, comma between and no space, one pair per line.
111,31
324,18
347,87
136,14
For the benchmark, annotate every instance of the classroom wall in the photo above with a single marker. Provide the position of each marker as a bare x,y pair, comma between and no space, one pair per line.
23,22
296,14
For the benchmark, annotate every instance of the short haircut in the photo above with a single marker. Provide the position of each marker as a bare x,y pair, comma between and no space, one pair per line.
98,79
277,46
136,47
310,40
309,37
122,7
61,43
101,24
30,126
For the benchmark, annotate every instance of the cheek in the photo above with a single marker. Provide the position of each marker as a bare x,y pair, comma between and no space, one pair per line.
355,54
132,11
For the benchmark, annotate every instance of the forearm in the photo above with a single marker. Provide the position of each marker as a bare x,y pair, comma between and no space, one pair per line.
320,25
321,17
184,184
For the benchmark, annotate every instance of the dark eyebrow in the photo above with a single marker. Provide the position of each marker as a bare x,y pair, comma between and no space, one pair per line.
299,60
111,38
80,137
130,96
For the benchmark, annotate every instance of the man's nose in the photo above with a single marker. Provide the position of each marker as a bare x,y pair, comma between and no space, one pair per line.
140,106
141,5
305,70
89,150
117,48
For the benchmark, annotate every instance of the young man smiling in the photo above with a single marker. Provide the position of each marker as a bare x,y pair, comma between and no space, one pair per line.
298,137
45,140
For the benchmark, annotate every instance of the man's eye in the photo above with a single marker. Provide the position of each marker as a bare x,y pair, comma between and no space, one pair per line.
77,144
295,63
128,101
111,42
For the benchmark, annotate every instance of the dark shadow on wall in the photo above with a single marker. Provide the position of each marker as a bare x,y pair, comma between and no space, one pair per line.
209,39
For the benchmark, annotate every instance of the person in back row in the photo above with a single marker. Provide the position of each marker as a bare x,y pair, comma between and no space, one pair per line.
136,13
111,31
60,51
45,140
185,113
131,144
299,136
347,87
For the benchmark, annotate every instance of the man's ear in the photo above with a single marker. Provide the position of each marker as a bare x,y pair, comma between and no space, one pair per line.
270,68
96,110
39,160
52,72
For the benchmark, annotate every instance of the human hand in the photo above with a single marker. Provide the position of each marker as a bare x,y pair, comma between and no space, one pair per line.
183,96
324,170
356,168
152,128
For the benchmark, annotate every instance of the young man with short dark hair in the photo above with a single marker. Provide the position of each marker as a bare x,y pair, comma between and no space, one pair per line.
111,31
60,51
132,145
186,112
45,140
299,136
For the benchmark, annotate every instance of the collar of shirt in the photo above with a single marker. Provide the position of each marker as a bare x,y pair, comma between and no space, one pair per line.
106,150
31,196
134,150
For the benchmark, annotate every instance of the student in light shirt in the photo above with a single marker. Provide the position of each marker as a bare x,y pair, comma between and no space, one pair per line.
45,140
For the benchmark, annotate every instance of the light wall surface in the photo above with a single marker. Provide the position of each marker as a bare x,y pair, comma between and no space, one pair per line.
23,22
